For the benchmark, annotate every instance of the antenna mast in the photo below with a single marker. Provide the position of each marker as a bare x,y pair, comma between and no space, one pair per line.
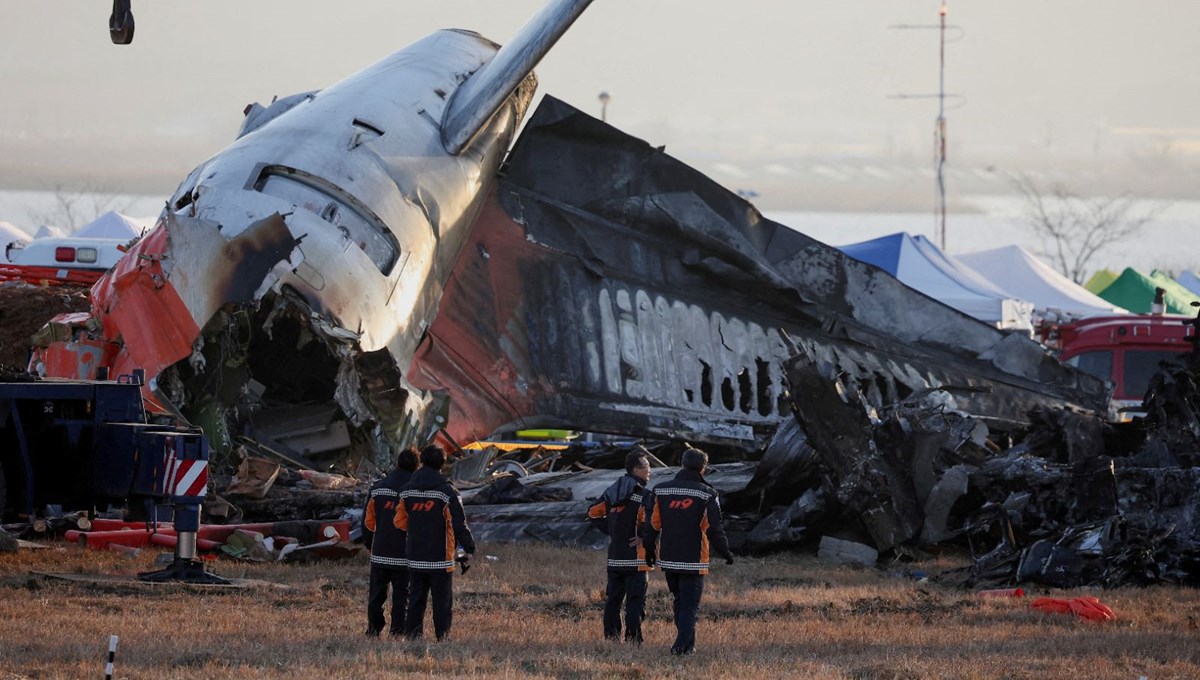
940,131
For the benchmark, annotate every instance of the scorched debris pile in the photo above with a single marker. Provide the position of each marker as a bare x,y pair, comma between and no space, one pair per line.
1076,501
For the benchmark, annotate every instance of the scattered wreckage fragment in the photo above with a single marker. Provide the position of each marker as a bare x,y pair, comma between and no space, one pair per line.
1076,502
896,469
264,490
1119,504
504,516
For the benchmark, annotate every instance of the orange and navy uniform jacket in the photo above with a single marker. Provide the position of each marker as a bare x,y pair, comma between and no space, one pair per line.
431,511
620,513
387,546
685,519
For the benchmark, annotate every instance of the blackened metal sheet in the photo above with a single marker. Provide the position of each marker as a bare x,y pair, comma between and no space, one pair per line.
607,286
871,480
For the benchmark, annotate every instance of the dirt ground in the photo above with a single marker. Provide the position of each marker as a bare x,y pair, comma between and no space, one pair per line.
533,611
24,309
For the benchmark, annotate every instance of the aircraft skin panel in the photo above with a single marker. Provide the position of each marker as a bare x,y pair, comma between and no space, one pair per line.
131,293
148,306
206,272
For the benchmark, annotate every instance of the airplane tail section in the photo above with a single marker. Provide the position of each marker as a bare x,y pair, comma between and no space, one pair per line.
481,96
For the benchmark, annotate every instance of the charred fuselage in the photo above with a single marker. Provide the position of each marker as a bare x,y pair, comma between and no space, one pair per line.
358,256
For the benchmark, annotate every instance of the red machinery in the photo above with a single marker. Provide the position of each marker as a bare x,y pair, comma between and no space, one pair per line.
1124,349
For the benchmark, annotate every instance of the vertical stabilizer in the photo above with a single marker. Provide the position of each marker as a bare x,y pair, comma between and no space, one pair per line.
481,96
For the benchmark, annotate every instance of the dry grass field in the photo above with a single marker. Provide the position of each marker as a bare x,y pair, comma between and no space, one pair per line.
534,612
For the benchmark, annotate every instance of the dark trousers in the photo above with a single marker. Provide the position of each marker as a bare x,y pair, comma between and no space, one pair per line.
381,578
628,587
686,589
424,583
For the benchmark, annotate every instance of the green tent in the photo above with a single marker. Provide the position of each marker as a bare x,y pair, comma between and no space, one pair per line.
1135,291
1100,280
1176,290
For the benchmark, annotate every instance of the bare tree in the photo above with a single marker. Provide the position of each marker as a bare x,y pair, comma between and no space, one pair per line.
1074,228
75,208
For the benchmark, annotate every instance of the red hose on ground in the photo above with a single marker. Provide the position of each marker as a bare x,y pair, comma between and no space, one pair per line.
170,540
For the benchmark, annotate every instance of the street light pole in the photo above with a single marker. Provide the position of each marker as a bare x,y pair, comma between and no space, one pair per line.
604,99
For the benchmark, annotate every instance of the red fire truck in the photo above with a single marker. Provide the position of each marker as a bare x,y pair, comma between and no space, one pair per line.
1123,349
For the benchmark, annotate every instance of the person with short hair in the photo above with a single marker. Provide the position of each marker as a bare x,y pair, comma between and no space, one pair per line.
389,565
620,513
431,511
684,526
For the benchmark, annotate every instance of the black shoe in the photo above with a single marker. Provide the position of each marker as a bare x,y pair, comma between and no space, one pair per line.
682,651
634,640
612,637
372,633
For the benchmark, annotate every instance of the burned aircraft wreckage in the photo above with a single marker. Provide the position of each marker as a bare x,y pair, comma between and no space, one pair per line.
1076,501
362,248
369,265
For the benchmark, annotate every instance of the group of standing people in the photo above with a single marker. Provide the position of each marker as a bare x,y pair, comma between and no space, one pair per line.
417,524
676,525
416,521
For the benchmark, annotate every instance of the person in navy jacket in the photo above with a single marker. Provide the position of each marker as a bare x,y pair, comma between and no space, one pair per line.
431,511
389,566
684,527
620,513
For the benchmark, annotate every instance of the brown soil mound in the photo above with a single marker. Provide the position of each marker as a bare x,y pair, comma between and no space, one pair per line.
26,308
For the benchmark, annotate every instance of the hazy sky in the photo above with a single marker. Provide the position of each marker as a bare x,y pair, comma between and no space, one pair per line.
738,88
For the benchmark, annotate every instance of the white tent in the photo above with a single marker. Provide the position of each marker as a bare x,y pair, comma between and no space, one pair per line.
921,265
1021,274
49,231
112,225
9,232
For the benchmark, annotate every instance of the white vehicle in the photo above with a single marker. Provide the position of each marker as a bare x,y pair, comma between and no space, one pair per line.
50,261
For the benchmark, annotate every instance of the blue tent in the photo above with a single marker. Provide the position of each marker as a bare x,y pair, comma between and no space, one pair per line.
1190,281
920,265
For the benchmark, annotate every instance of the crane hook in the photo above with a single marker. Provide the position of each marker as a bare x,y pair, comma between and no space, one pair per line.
120,24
